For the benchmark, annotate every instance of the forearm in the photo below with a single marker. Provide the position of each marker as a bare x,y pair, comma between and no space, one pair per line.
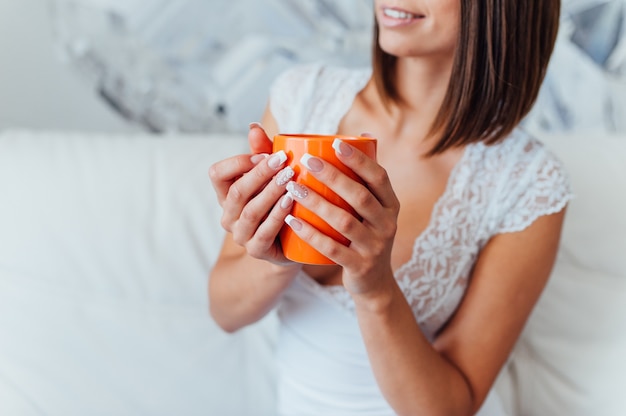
243,289
413,376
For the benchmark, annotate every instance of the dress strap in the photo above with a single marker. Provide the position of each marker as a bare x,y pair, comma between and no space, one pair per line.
313,98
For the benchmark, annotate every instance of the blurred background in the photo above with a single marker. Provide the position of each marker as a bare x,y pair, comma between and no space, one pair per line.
206,65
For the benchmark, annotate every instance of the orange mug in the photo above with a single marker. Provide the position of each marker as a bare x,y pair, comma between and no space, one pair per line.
295,146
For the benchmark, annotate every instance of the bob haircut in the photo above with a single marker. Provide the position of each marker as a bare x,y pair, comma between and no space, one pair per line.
501,59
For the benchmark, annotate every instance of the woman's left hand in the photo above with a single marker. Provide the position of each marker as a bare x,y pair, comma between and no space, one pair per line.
366,261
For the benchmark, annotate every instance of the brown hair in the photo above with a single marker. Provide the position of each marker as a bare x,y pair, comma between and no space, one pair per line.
501,58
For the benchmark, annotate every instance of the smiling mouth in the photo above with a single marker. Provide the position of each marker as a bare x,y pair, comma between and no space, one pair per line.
399,14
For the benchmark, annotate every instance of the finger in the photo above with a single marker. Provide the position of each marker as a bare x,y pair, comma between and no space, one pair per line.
225,172
258,139
264,239
374,175
248,219
244,188
330,248
338,218
358,196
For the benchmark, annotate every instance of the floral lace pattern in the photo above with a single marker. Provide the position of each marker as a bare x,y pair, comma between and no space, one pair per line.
491,190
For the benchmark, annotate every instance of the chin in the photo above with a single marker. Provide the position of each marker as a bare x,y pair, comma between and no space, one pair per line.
395,48
403,48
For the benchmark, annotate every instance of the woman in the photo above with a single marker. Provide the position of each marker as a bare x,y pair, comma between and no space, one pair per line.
462,214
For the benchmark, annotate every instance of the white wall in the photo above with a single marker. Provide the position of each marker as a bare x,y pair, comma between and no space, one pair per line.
37,90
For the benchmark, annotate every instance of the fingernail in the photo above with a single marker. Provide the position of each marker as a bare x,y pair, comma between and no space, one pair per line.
284,176
293,222
342,148
277,159
312,163
286,201
255,159
366,134
297,190
255,124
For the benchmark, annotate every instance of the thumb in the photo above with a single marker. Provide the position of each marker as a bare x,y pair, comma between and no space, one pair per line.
258,140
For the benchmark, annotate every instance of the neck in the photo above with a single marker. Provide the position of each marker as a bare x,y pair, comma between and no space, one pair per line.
421,84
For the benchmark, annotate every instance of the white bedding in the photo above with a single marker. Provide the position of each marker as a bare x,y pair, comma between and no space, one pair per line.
105,247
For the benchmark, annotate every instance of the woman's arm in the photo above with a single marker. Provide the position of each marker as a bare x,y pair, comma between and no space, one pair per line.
243,289
251,271
454,374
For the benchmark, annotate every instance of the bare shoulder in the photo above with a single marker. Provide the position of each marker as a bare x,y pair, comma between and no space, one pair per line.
508,279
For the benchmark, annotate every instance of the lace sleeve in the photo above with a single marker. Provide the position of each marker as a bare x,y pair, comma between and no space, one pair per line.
539,186
288,97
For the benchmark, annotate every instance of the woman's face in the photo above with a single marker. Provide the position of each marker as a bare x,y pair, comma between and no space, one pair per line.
414,28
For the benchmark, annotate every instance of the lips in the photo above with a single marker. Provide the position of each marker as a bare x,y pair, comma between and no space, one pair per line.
394,17
399,14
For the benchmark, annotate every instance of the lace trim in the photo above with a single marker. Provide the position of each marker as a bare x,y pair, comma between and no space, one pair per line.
549,194
434,280
434,248
425,279
486,194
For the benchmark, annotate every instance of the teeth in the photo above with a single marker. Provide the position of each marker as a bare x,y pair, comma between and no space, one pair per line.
397,14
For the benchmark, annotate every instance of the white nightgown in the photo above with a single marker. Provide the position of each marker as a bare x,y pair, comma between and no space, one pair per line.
323,368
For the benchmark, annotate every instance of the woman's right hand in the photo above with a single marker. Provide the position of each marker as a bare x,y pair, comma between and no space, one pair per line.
251,191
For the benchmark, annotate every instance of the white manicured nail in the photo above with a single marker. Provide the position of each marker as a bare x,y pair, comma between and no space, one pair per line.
293,222
286,201
284,176
255,159
342,148
297,190
312,163
277,159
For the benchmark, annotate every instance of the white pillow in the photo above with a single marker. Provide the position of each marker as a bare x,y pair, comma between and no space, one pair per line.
571,358
84,207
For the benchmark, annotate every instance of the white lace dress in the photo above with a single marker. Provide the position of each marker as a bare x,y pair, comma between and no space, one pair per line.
323,367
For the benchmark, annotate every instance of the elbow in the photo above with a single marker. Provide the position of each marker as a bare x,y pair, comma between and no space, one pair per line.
224,324
442,412
438,411
228,329
218,315
458,403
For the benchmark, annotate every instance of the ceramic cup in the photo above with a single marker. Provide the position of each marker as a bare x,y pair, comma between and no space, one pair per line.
296,145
